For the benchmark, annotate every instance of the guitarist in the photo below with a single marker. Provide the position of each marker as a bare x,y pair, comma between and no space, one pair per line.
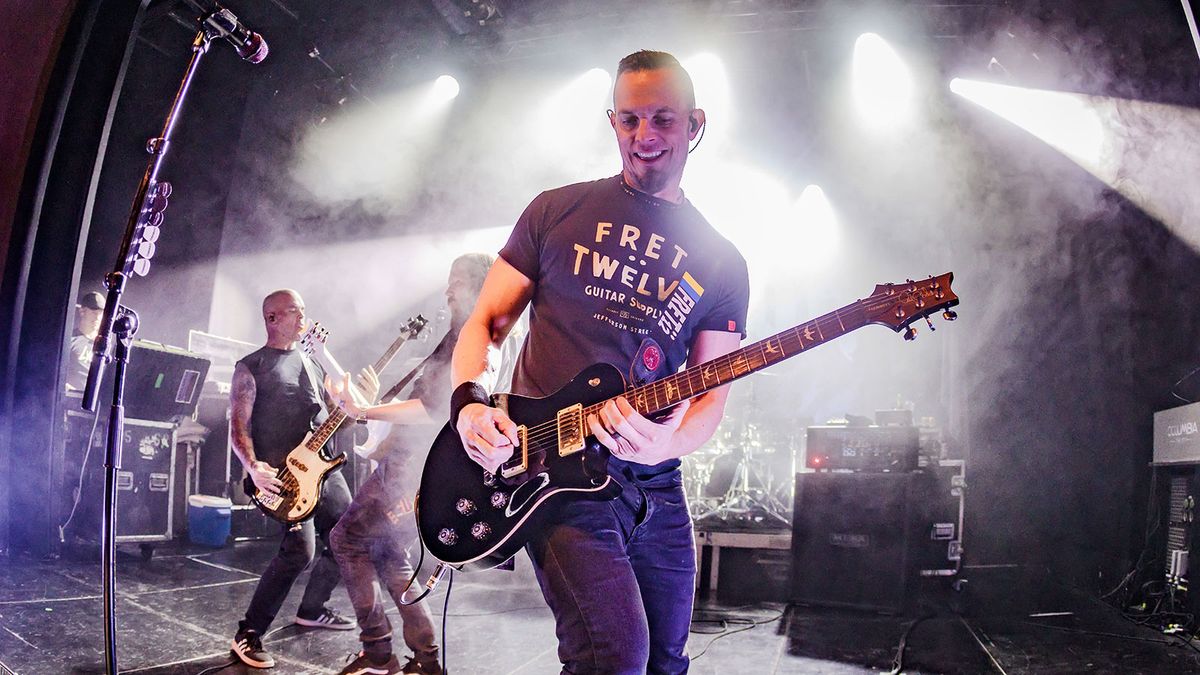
626,271
275,400
375,536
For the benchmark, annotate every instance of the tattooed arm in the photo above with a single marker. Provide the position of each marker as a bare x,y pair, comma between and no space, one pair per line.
241,405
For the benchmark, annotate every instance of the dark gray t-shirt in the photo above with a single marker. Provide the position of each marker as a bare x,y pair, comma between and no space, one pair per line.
621,278
286,404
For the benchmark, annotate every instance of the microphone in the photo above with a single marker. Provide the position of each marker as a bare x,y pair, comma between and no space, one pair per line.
224,24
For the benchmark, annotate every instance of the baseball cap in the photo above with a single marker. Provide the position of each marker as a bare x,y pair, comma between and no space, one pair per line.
92,300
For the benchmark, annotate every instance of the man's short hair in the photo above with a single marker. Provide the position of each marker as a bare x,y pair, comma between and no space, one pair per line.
646,59
272,296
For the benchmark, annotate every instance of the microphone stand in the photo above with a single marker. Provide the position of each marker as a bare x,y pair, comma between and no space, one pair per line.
123,322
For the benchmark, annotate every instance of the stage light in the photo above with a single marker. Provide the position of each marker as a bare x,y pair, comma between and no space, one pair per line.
1069,123
445,88
818,233
712,95
1142,150
881,83
571,122
596,79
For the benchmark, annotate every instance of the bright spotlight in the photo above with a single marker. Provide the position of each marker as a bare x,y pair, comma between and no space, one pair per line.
882,84
1069,123
1143,150
712,93
445,88
817,223
570,122
596,79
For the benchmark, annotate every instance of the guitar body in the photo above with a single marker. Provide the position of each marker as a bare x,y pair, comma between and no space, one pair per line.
303,474
304,470
471,519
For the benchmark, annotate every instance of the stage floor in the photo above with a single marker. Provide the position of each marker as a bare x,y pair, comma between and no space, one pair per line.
177,611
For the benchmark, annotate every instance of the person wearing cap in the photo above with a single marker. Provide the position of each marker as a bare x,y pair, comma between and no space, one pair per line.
88,313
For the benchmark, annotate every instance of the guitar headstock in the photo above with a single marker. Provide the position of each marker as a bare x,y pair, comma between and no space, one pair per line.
899,305
413,327
314,339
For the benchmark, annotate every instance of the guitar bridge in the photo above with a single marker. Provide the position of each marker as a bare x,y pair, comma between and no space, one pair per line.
520,463
571,438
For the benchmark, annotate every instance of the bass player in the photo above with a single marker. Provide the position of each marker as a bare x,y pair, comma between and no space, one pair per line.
275,399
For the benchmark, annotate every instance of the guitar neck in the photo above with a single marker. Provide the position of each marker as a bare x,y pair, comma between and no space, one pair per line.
414,328
390,354
696,380
331,424
322,433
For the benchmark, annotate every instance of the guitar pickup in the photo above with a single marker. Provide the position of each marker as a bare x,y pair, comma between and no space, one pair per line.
571,438
520,463
269,500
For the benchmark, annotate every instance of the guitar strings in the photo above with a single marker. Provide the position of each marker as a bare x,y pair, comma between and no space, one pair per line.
542,437
538,434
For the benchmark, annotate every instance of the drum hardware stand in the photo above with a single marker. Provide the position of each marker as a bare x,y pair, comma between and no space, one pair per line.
745,497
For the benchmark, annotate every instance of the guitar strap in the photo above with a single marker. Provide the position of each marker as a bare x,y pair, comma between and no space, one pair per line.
399,386
318,388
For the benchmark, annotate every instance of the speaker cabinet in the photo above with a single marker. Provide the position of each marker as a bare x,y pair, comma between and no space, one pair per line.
850,539
145,481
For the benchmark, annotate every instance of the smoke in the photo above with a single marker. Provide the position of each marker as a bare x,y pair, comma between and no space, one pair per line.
361,205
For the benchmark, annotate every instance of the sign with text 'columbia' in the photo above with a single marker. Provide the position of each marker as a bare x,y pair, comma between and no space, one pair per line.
1177,435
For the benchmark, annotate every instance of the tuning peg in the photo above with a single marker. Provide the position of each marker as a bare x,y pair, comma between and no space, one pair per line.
929,323
949,315
910,333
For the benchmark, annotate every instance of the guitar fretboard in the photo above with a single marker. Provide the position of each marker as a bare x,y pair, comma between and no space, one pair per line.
327,429
694,381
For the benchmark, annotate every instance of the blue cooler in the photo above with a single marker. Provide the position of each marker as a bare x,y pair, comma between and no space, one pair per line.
208,519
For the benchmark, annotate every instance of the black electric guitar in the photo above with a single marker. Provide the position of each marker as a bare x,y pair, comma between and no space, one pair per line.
472,519
306,467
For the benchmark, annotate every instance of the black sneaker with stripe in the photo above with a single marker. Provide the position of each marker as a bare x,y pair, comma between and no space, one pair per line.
365,665
326,619
247,646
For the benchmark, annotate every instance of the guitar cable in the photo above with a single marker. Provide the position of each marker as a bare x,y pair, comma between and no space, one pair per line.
79,483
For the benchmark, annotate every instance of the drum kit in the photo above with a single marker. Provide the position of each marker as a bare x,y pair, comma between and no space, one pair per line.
744,477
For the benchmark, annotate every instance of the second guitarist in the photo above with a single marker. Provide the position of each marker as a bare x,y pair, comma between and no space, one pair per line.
374,540
275,399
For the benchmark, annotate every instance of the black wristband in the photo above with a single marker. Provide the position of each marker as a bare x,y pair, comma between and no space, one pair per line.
464,395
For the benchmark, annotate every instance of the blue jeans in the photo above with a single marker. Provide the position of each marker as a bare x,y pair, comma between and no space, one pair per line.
618,576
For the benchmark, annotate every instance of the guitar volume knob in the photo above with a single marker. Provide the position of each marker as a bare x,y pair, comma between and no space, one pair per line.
499,499
465,506
481,530
448,536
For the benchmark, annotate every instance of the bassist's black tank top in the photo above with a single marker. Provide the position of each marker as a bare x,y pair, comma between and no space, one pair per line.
286,406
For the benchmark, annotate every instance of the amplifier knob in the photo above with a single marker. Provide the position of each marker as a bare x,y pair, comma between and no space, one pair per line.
448,536
481,530
499,499
465,506
489,479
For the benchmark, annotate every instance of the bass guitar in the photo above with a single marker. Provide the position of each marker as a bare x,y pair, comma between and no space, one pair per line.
470,518
306,467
